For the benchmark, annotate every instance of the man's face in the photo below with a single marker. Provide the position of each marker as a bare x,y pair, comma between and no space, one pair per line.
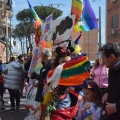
108,61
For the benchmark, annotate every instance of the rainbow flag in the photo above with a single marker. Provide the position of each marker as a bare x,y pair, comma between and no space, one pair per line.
88,19
77,7
37,24
33,12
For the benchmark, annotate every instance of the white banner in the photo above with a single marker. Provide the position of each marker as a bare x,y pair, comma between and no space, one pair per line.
30,102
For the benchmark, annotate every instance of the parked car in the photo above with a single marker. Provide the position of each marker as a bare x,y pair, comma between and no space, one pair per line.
92,64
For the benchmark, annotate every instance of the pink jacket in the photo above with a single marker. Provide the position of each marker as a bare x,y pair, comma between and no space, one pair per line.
101,76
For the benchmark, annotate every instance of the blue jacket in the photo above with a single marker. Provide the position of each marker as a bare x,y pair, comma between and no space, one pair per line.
14,74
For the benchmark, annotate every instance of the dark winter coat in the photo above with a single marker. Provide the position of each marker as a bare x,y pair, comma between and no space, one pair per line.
43,74
14,74
114,91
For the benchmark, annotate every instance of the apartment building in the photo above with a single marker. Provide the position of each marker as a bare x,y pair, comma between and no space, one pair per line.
113,21
5,14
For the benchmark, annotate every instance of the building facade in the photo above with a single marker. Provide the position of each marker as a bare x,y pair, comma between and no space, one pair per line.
113,21
89,43
2,51
5,20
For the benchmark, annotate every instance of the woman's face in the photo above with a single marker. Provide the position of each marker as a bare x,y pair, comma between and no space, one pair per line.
64,59
100,61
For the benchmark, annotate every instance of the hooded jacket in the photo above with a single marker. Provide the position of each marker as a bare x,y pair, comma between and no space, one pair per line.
14,73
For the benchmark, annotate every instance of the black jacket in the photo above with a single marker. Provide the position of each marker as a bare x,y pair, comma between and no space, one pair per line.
43,73
27,65
114,91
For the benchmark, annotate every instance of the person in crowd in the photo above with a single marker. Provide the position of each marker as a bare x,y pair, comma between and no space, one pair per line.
90,107
99,73
1,78
12,59
63,104
27,64
111,98
14,73
65,97
1,83
46,56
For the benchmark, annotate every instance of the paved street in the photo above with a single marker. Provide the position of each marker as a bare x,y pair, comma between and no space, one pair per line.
20,115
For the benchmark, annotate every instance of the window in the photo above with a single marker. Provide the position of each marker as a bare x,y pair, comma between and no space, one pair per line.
0,4
115,21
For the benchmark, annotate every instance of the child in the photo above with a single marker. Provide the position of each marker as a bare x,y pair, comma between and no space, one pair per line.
63,106
90,107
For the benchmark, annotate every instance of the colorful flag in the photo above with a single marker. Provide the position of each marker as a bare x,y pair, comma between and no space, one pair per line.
88,19
77,40
76,45
47,21
34,13
37,24
77,7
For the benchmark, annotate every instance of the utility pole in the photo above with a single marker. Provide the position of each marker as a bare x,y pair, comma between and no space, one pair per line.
99,27
6,38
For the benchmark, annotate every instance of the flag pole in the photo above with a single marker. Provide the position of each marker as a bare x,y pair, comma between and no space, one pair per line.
99,27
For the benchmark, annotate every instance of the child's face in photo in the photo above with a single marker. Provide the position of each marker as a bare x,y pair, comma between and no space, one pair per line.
89,95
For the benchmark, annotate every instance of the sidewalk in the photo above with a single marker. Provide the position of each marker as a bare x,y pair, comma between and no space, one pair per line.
20,115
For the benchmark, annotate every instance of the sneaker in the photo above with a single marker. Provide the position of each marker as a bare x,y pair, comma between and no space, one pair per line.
12,110
3,109
8,102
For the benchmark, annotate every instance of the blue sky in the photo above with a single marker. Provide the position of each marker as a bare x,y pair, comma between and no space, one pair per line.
22,4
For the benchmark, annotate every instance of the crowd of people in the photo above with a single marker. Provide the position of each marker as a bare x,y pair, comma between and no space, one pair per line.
97,99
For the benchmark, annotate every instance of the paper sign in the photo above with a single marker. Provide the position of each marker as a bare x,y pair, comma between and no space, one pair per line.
30,102
59,33
36,64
